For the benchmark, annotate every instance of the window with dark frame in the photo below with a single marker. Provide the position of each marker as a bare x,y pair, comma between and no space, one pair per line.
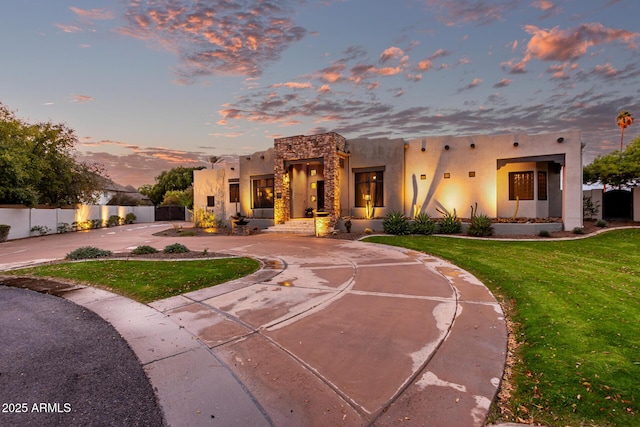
262,191
521,185
234,192
542,185
369,186
211,201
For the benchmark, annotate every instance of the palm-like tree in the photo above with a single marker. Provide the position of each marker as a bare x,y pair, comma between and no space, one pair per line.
623,120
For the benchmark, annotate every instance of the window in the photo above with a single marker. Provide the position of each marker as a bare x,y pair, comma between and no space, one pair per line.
262,193
369,186
211,200
234,192
521,185
542,185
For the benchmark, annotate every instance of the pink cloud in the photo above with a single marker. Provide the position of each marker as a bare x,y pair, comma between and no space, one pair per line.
568,45
81,98
471,11
391,53
216,37
94,14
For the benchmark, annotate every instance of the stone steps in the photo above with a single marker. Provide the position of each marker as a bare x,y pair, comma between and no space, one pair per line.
302,226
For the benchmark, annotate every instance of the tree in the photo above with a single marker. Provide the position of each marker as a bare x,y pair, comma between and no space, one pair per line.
37,164
176,179
623,120
616,169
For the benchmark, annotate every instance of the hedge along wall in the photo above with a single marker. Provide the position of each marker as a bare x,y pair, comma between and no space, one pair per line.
22,219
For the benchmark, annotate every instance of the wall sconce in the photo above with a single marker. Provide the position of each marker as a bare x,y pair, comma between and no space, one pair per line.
232,168
515,144
472,145
262,156
423,149
560,140
423,177
446,147
313,185
472,174
447,175
248,158
313,198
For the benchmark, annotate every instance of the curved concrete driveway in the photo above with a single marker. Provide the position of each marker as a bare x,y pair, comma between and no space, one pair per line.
330,332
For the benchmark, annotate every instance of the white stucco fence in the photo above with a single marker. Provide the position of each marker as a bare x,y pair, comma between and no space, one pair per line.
22,219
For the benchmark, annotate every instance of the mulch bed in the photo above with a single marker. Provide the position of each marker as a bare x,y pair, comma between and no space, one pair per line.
589,227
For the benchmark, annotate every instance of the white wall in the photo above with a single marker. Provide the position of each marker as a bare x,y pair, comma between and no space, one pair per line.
22,220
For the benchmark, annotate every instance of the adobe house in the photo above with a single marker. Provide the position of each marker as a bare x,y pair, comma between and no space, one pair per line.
533,176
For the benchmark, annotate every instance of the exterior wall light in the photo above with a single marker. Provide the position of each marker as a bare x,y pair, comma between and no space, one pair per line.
262,157
560,140
446,147
515,144
423,149
472,145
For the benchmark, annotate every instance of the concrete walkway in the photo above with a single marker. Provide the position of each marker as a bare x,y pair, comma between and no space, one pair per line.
328,332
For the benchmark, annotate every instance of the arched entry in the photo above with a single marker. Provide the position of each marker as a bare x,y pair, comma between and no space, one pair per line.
617,204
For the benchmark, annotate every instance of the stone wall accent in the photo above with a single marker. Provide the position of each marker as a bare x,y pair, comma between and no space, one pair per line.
329,147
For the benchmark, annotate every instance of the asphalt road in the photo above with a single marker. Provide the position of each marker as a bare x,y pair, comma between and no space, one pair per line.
62,365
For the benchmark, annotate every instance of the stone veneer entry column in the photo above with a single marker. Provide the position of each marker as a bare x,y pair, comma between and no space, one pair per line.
330,147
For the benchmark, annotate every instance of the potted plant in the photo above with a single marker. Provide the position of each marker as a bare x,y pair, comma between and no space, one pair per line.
308,212
4,232
347,224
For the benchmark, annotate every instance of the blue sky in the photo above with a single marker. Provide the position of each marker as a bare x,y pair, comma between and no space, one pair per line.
153,84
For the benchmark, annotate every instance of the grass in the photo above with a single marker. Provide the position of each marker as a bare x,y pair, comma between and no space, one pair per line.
147,281
576,307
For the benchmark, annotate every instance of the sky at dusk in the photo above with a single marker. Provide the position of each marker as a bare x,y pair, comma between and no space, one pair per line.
149,85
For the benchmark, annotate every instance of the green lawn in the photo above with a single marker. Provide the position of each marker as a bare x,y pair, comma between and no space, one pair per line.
147,281
576,305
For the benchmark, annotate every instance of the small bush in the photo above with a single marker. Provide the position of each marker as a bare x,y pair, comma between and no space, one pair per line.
480,226
185,233
144,249
130,218
578,230
95,223
396,223
423,224
40,230
63,227
450,223
176,248
368,231
4,232
87,252
544,233
115,220
601,223
205,219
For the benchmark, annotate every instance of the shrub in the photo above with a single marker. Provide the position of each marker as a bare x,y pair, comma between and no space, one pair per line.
396,223
40,230
450,223
601,223
114,220
95,223
87,252
423,224
130,218
578,230
4,232
205,219
480,226
544,233
63,227
368,231
144,249
176,248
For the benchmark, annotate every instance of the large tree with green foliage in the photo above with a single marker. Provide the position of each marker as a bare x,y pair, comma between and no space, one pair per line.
37,164
616,169
174,180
